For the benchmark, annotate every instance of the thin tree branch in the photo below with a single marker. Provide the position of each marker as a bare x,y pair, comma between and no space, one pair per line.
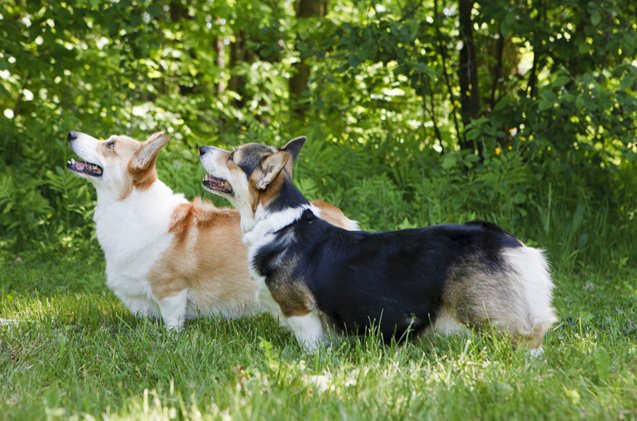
468,70
411,12
443,55
498,68
530,85
432,111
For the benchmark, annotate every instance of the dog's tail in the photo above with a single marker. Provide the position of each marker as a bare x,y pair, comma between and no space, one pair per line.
531,270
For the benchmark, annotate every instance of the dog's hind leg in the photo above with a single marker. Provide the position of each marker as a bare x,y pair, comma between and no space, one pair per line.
173,309
514,298
447,324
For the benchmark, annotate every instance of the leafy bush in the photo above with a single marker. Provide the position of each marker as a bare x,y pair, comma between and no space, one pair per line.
543,142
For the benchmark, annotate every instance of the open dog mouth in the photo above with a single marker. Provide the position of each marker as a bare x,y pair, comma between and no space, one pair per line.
87,168
218,185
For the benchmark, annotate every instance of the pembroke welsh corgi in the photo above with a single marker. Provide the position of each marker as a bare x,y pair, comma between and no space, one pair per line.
315,276
165,256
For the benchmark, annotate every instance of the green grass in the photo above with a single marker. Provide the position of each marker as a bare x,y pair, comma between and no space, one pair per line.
76,353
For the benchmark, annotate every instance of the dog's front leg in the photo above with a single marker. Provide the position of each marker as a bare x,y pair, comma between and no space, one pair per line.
307,329
173,310
265,298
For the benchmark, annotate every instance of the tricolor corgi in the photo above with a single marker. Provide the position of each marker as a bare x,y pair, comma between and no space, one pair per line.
165,256
314,276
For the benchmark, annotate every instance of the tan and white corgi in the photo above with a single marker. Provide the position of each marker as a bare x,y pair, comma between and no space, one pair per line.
166,256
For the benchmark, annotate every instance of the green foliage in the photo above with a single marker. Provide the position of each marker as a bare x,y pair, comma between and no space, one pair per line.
389,140
31,206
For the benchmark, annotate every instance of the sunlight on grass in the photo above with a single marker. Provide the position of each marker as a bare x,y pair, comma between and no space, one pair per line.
76,352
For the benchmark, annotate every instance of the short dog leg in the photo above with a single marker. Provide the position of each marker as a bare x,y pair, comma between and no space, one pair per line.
447,324
265,298
307,329
539,331
533,340
173,310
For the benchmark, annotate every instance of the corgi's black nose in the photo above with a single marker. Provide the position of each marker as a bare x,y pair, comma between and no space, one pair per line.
203,150
73,135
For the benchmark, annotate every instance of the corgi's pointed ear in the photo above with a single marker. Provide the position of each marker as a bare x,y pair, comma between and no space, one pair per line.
293,147
271,166
147,154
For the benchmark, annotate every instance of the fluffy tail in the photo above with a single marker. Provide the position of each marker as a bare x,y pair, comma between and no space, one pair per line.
531,268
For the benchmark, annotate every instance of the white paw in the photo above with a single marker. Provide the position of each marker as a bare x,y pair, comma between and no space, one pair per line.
173,310
308,331
312,345
172,327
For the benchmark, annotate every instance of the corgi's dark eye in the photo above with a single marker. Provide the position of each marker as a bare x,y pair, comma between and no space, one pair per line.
110,145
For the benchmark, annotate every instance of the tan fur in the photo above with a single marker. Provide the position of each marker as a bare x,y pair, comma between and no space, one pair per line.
264,197
477,297
257,196
335,216
533,340
294,298
143,178
123,154
208,257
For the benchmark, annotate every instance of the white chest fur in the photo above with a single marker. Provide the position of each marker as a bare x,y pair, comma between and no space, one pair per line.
308,329
133,234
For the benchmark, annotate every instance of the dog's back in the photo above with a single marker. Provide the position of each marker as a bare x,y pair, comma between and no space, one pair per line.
404,280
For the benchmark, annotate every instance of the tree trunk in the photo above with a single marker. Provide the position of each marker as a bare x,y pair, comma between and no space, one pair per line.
220,47
443,57
298,83
496,70
179,12
239,53
468,70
